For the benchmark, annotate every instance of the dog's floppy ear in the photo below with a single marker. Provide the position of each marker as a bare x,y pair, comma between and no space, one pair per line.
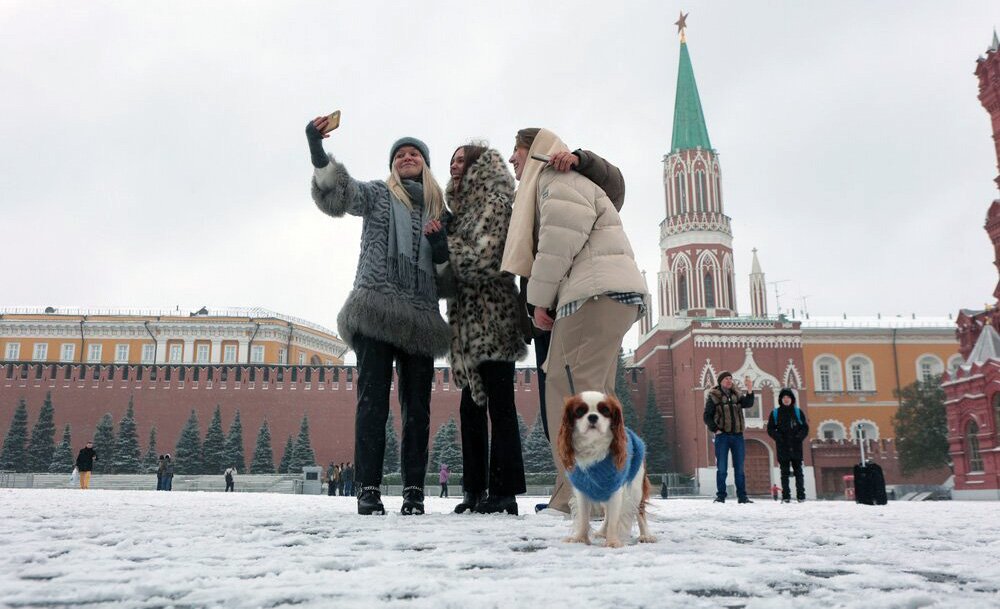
564,442
618,448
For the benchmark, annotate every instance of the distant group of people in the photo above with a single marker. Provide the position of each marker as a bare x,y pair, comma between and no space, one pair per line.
165,473
340,479
559,231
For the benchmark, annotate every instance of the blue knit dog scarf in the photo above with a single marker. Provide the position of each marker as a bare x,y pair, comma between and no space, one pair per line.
600,480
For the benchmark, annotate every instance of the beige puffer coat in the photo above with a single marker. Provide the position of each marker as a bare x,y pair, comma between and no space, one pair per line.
582,249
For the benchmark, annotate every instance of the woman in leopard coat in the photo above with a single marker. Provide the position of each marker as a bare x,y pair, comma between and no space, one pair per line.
486,338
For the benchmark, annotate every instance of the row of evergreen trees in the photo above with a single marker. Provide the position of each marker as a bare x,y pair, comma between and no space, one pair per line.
119,453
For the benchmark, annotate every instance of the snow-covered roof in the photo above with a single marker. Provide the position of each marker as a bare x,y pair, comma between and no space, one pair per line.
875,322
987,347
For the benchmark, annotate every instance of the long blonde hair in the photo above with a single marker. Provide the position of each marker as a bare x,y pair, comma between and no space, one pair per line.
433,196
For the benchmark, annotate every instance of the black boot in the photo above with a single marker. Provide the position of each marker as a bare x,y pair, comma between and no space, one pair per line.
495,505
720,499
413,501
744,500
469,502
370,502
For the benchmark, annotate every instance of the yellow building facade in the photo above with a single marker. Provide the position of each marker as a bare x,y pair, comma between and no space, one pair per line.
174,336
855,366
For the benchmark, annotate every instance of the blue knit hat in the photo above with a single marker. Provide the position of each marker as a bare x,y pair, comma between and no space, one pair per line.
410,141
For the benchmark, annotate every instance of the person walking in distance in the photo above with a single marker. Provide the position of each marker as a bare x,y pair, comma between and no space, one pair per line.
230,476
723,416
85,464
443,475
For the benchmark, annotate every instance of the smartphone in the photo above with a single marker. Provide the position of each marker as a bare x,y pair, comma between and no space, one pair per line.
541,157
332,122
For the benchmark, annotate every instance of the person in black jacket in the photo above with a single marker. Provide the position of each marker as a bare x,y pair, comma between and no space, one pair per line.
788,427
85,464
724,417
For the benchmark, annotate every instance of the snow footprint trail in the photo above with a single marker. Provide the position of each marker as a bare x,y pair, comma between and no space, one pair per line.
145,550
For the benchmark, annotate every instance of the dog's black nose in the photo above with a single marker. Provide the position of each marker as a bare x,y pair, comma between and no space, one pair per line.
592,418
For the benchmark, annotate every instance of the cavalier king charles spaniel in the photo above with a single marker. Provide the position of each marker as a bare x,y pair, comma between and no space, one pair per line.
605,463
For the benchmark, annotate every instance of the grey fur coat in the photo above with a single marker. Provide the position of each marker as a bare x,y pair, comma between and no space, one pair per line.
377,308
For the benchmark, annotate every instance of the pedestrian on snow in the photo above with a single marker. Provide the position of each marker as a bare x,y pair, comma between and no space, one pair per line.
723,415
338,476
788,427
85,464
168,473
484,315
340,481
567,239
230,476
443,476
774,491
159,474
392,313
348,476
331,480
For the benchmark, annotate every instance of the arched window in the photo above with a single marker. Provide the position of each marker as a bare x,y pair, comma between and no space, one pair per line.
718,191
972,447
928,367
700,190
860,374
709,291
682,292
831,430
864,430
732,294
953,363
827,371
681,193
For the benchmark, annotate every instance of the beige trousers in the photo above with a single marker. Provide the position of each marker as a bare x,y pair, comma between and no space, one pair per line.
84,480
588,341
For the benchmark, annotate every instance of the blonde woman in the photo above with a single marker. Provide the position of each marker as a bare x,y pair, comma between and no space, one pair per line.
391,315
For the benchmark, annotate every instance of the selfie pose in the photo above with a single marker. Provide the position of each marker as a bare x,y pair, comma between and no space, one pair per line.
391,315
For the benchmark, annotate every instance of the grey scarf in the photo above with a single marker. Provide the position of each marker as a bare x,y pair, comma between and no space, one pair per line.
416,275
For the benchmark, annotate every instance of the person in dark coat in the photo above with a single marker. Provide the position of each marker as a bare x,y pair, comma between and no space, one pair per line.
724,417
788,427
168,473
85,464
159,473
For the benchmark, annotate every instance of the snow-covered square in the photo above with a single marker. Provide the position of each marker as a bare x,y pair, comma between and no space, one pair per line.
144,550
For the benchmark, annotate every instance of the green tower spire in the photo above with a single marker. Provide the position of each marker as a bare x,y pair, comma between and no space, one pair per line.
689,120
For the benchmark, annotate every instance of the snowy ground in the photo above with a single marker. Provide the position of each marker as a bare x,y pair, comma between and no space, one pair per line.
137,549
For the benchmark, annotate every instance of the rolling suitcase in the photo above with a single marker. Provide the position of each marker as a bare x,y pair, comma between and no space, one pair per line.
869,482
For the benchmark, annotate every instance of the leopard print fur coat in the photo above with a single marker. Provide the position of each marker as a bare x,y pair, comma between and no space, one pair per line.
483,312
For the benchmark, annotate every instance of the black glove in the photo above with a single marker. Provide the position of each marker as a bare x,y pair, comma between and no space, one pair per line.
439,246
315,138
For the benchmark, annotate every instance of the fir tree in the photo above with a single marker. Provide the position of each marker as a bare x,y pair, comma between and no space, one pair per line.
623,391
390,461
286,457
234,445
921,427
127,454
13,457
62,456
657,454
302,453
152,460
43,437
263,455
104,445
187,458
213,451
446,447
537,453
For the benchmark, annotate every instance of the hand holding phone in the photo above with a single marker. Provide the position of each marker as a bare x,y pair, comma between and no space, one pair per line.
332,122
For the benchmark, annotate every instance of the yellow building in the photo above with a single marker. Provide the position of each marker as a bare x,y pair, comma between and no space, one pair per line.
855,366
174,336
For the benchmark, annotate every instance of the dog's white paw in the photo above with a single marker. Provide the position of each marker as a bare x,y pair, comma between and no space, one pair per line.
578,539
647,539
614,543
600,534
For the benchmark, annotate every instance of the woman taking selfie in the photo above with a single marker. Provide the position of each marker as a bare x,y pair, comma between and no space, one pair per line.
391,314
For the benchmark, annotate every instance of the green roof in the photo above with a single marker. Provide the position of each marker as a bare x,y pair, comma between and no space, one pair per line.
689,120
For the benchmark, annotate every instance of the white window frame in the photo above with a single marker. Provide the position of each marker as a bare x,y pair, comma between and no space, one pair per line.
229,354
13,352
176,354
94,353
282,356
839,432
67,352
302,359
257,354
954,362
203,354
824,376
148,354
866,423
934,365
865,370
835,375
121,353
40,352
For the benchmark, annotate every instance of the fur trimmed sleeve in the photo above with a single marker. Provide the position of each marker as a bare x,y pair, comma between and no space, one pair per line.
476,254
335,192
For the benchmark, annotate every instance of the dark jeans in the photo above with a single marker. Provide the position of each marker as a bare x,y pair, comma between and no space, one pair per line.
444,490
331,488
230,485
724,444
542,352
800,484
159,482
168,482
497,465
415,374
349,488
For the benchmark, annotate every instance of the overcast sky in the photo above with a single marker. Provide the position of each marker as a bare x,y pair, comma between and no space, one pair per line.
153,154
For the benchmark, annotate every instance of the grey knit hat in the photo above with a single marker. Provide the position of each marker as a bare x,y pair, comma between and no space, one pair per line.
723,375
410,141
